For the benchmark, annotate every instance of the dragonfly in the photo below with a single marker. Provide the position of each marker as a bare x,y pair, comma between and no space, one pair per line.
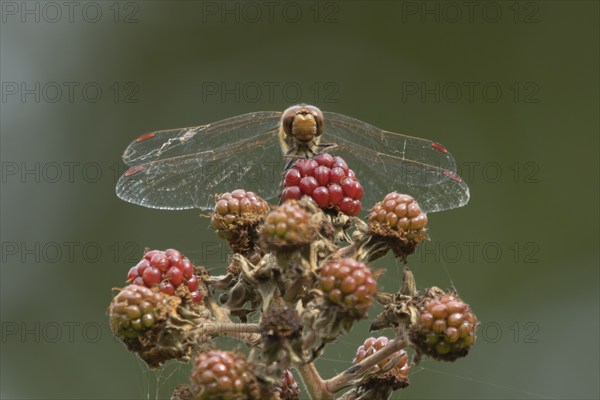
185,168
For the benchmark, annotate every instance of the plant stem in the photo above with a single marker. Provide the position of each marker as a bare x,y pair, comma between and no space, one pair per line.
229,328
345,378
248,333
312,381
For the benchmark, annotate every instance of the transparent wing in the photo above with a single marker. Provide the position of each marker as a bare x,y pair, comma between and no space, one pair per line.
387,161
161,145
184,168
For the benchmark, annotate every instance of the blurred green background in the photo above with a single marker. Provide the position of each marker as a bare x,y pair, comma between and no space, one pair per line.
511,88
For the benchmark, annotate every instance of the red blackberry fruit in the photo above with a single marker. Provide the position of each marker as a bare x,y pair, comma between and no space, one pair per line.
327,180
169,271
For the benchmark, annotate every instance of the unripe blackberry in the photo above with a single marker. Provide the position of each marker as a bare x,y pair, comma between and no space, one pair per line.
327,180
288,389
399,219
221,375
136,309
348,282
168,270
289,225
398,215
155,325
235,209
396,376
446,326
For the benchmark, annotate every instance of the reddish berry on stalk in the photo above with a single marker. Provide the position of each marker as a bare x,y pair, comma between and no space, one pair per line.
219,374
446,326
399,220
348,282
288,225
398,214
327,180
397,375
167,270
135,309
237,208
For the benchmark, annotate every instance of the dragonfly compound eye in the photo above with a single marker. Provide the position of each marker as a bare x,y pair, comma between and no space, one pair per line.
318,117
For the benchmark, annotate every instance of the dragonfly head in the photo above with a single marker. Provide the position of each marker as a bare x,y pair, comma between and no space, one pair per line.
302,122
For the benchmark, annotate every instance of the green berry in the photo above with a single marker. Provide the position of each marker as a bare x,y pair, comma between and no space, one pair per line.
446,326
289,225
136,309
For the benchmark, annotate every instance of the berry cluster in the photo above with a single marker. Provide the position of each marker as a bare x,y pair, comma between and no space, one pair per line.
398,215
238,207
297,279
220,374
446,327
168,270
348,282
135,309
288,225
327,180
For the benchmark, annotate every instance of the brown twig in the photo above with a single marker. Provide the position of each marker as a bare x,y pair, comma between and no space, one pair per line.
316,387
246,332
355,372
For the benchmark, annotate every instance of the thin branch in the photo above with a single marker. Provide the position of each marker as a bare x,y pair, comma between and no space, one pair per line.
313,382
346,378
248,333
228,328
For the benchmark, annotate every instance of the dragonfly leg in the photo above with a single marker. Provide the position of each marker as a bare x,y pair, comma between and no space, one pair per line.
295,156
326,146
297,152
289,163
